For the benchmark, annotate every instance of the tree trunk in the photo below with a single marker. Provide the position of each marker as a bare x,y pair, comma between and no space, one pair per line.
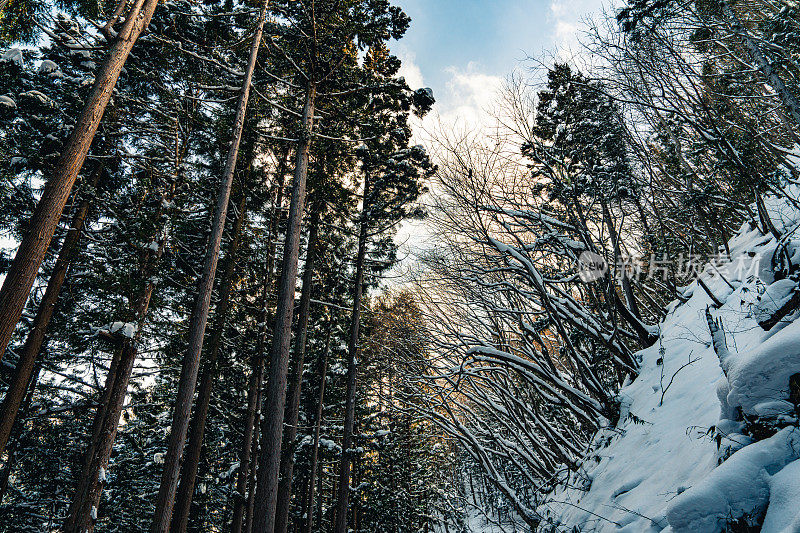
343,496
244,477
272,427
183,499
256,377
35,340
83,510
90,485
12,448
295,385
251,496
42,226
197,327
317,428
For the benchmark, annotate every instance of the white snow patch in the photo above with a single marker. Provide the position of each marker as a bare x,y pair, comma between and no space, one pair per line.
14,55
38,96
783,514
48,67
738,487
762,375
126,329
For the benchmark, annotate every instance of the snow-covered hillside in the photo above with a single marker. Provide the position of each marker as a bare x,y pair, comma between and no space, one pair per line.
708,431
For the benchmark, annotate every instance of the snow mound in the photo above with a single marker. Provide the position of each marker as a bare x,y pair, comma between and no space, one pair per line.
759,377
708,430
739,487
783,515
38,96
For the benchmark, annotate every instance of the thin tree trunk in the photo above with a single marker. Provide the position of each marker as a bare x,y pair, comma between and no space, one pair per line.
12,448
295,385
35,340
90,484
272,427
183,499
246,475
83,510
251,496
317,429
245,454
42,226
197,327
352,351
631,313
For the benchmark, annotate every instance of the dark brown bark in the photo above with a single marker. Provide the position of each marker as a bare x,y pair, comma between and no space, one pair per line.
36,336
251,497
246,453
183,499
343,496
197,326
90,485
106,419
296,382
83,510
247,467
17,431
317,429
275,400
46,216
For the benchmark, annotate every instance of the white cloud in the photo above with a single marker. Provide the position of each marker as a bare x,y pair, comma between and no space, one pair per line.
410,70
567,17
465,102
469,96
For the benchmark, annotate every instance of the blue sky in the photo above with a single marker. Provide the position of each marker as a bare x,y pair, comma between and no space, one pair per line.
463,49
484,36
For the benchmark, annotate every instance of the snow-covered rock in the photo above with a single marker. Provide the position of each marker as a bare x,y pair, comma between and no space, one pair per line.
776,295
761,376
8,102
38,96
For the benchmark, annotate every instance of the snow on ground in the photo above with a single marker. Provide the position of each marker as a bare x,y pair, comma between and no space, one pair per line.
658,469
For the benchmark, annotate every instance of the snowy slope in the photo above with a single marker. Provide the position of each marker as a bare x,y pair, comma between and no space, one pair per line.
657,471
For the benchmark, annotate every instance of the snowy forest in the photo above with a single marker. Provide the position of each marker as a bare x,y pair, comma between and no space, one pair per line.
211,319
